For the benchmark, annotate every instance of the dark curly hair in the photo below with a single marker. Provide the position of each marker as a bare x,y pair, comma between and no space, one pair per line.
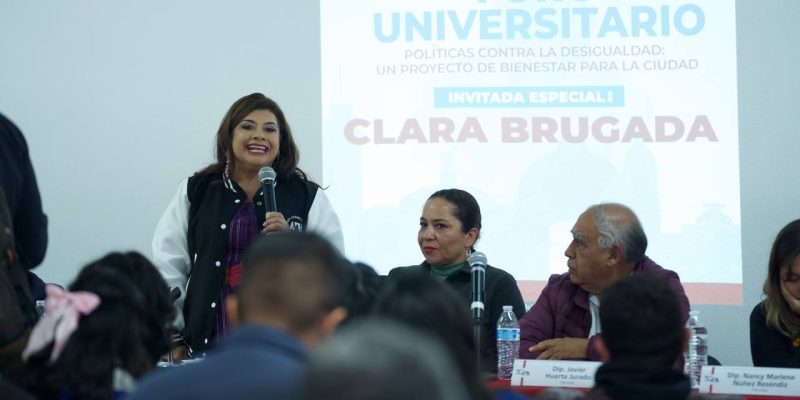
363,285
128,330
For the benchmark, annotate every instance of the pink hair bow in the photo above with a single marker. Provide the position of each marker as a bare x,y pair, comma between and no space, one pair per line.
62,311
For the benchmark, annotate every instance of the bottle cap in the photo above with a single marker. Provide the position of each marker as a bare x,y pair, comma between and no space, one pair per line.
508,308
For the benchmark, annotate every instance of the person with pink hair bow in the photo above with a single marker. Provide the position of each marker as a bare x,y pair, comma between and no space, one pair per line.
103,334
62,310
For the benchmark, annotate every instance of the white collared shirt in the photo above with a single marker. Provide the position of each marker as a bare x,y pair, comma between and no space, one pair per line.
594,309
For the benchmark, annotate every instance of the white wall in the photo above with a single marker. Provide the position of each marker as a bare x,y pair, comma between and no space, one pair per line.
120,100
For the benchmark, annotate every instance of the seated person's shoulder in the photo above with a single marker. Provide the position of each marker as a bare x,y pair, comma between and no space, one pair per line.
559,280
651,267
759,313
559,285
500,273
404,271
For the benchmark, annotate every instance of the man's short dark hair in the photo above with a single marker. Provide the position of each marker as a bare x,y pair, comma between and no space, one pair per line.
297,277
362,287
641,322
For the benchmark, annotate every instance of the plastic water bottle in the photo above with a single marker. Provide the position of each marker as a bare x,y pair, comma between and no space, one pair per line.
696,354
507,342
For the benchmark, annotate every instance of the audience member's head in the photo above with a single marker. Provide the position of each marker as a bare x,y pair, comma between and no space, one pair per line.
642,323
383,359
122,310
782,285
159,309
292,281
608,241
432,307
363,284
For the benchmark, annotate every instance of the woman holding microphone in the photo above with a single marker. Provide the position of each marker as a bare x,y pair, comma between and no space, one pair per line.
201,238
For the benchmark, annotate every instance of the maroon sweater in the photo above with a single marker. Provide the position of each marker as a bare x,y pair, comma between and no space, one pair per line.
562,310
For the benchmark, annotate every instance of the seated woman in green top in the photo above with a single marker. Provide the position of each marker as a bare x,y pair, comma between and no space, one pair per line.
448,229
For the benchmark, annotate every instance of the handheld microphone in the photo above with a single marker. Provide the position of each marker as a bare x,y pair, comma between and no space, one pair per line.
267,177
477,263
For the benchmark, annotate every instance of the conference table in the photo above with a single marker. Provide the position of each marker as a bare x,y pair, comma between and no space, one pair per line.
534,390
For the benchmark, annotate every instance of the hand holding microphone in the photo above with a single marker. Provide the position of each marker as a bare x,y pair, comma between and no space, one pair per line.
275,221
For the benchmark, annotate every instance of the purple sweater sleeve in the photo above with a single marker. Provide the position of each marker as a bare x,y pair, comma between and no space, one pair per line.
675,283
538,323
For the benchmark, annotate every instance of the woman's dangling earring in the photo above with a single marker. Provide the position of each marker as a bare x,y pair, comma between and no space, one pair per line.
227,167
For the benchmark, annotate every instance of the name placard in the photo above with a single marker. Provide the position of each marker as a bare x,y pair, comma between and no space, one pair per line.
572,374
749,380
